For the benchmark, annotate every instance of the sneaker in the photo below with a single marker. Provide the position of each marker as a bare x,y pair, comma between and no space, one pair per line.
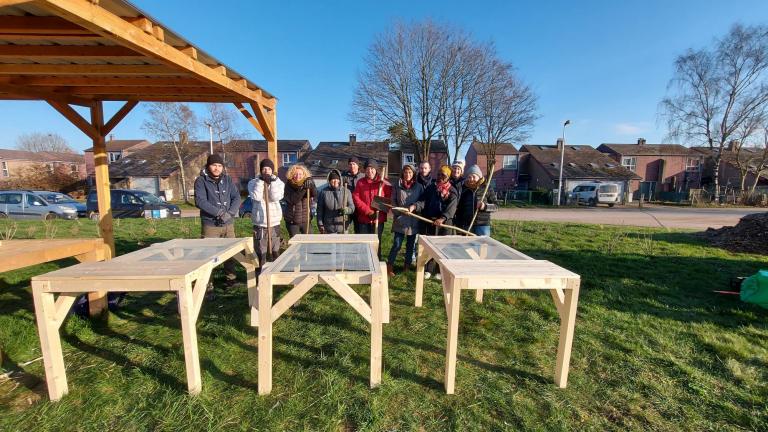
438,277
427,275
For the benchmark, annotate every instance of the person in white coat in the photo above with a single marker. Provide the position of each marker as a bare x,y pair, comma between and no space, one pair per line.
266,191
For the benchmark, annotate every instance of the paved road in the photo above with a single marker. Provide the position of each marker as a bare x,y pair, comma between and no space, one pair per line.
652,216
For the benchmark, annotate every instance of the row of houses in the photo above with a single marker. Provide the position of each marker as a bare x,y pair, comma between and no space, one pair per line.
638,168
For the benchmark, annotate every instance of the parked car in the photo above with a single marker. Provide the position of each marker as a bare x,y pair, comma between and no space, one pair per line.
23,204
60,198
245,208
128,203
596,193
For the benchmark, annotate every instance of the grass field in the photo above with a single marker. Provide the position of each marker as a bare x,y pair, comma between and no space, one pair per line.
654,349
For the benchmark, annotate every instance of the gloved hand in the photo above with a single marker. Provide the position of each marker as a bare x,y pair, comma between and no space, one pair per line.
321,229
220,213
225,218
371,214
268,178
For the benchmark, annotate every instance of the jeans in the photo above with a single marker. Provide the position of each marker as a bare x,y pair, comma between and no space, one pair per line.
397,243
482,230
369,229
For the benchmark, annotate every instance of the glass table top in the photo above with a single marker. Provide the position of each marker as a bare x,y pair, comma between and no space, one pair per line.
477,248
318,257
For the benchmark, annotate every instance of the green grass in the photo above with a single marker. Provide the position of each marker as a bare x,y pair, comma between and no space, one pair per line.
654,349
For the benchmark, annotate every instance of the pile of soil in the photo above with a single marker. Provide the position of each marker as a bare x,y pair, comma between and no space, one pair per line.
749,235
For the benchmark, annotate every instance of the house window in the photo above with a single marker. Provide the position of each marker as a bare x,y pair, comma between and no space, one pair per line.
73,168
692,165
113,156
5,170
50,167
289,159
510,162
629,163
409,158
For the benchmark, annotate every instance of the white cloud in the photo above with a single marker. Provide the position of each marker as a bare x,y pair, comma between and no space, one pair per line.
630,128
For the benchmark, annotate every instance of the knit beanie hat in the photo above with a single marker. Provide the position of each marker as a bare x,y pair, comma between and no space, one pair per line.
266,163
459,163
372,163
474,169
334,175
214,158
445,170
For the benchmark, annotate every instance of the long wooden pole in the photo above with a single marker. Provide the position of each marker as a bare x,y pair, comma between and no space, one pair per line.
482,198
269,228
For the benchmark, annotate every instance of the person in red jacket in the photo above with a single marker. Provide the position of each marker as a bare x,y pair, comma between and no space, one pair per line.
370,186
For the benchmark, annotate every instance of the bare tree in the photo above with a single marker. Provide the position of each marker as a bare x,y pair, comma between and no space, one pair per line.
716,91
222,121
506,110
37,142
177,124
404,81
759,163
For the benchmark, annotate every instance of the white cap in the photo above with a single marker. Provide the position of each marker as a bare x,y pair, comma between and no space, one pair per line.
459,162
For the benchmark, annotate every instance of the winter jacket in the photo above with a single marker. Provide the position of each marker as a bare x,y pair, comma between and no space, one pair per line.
425,181
468,201
433,206
458,183
330,201
402,197
216,197
258,213
351,180
363,195
296,203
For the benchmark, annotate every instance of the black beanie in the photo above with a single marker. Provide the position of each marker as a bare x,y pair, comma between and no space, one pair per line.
214,159
266,163
372,163
334,175
353,159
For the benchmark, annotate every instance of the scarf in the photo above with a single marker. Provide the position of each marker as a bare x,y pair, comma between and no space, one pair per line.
443,189
296,183
407,184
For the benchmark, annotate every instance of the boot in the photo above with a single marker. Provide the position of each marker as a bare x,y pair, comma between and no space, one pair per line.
390,270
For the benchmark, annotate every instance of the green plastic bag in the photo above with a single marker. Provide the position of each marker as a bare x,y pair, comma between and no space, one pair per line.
754,289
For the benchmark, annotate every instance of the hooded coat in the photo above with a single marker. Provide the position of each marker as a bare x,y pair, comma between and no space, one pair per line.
365,190
256,192
403,196
216,196
468,201
296,203
330,201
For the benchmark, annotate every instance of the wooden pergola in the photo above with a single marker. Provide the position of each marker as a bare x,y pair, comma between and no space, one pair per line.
85,52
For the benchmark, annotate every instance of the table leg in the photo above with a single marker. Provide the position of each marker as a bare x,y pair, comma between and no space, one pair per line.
265,334
377,310
189,334
384,293
567,324
50,343
454,302
421,261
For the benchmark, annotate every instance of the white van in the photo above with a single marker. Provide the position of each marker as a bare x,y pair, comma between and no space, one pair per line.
596,193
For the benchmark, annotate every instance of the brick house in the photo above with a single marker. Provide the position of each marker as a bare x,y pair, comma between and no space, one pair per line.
330,155
661,167
116,149
751,158
408,153
506,164
155,169
243,157
540,167
13,163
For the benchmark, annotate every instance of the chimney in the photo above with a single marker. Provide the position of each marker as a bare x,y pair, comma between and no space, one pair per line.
733,145
559,143
352,139
641,141
111,137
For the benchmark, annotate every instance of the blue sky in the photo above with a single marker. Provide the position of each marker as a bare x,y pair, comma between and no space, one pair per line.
602,64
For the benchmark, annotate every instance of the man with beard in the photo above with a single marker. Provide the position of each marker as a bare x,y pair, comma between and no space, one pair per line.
471,200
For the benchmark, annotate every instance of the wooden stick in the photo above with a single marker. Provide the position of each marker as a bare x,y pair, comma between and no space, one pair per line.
409,213
482,198
381,188
266,211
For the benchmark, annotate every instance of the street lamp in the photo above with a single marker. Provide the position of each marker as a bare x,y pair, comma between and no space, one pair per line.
210,131
562,158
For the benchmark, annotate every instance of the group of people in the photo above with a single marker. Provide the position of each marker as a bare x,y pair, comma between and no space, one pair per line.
454,198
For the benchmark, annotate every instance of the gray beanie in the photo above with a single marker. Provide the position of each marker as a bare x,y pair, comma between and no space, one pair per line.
474,169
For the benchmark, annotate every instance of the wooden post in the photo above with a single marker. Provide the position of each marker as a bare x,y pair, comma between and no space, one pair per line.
102,176
454,303
421,261
377,306
50,344
567,324
188,333
272,144
265,333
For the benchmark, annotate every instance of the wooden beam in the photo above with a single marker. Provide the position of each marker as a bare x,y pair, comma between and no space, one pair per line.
272,143
67,38
102,176
67,51
87,70
159,33
133,90
190,51
51,25
33,93
76,119
119,116
97,81
220,69
261,117
141,22
251,119
100,21
166,98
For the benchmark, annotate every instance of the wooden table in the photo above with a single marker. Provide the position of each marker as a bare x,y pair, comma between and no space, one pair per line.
15,254
183,266
480,263
336,260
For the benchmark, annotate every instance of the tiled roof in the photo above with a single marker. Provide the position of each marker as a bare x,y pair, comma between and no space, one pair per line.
501,148
581,162
41,156
119,145
435,146
159,159
646,149
261,145
728,156
321,159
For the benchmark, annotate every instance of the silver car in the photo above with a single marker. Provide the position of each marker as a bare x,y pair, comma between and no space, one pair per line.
20,204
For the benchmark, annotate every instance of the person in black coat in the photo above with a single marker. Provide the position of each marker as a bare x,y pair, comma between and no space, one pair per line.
300,192
439,205
470,203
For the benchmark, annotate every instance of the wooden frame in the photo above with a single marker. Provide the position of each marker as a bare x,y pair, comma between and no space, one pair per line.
264,312
479,273
175,272
15,254
96,39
